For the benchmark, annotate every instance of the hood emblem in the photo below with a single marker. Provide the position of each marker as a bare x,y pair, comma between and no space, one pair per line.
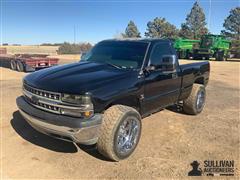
35,99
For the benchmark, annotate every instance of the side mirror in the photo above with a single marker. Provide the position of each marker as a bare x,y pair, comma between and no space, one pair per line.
169,63
150,68
83,54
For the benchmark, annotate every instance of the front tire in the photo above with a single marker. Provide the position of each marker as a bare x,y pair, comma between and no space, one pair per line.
120,132
196,100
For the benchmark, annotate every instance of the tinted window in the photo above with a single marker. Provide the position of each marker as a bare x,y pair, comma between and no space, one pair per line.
158,51
125,54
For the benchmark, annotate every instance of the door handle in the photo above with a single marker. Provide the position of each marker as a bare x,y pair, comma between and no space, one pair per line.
174,75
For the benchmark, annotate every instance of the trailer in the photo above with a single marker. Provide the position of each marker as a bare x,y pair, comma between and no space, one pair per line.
3,51
184,47
26,62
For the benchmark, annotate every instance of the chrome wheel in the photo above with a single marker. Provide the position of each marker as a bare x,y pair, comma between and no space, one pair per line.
200,99
127,135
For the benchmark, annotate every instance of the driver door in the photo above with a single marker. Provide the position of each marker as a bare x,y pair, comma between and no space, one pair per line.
162,88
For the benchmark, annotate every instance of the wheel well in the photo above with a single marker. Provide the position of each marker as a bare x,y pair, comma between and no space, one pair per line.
199,81
130,101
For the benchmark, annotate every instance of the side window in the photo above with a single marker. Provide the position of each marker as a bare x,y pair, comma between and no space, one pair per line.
158,52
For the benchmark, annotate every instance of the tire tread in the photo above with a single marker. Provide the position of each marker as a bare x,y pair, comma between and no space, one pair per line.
189,103
112,117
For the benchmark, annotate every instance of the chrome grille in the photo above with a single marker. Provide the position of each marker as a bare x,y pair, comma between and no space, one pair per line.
49,101
43,106
42,93
45,100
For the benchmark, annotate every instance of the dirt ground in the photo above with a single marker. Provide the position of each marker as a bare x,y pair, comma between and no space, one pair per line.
170,140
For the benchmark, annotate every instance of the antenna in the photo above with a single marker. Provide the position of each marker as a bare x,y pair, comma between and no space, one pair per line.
209,13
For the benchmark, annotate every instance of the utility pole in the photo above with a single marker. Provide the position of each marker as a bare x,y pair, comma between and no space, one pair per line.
74,34
209,13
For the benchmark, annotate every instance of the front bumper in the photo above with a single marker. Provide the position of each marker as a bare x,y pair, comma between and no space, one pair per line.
84,131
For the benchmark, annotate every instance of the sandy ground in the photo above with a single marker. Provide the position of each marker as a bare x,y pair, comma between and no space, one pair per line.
170,140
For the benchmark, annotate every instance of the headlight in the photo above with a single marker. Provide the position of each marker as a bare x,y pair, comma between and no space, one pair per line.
76,99
83,105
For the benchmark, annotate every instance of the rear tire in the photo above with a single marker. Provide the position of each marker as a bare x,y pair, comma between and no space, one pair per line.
226,56
196,100
220,56
206,57
182,55
20,66
119,136
13,65
188,55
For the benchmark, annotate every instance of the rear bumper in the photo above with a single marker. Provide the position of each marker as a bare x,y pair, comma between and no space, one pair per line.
84,131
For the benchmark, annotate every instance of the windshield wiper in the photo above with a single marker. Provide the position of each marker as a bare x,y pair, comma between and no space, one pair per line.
116,66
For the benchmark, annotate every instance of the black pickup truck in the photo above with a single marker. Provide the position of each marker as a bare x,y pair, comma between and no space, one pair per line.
103,98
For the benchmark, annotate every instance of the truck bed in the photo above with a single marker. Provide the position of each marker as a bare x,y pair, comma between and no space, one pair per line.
193,72
184,61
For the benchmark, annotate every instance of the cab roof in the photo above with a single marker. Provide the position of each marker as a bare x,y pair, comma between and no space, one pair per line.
147,40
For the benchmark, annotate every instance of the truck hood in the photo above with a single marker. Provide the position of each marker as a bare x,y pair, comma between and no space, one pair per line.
78,78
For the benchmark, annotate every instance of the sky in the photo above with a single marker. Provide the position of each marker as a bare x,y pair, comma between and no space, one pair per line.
32,22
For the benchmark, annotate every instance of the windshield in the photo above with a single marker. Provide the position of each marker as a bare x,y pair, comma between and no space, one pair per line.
207,42
121,54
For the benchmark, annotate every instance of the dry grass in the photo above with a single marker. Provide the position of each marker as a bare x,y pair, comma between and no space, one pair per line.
67,58
33,49
50,50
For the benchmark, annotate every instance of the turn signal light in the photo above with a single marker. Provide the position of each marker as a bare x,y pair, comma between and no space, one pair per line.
87,113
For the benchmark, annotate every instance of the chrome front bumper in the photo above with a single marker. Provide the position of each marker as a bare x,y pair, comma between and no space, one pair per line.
83,133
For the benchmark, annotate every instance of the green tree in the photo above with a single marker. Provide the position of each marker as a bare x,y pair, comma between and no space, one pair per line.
131,31
160,28
185,32
235,48
195,24
67,48
232,24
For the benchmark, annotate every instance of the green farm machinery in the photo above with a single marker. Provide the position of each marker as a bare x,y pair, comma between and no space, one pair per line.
184,47
210,46
215,46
